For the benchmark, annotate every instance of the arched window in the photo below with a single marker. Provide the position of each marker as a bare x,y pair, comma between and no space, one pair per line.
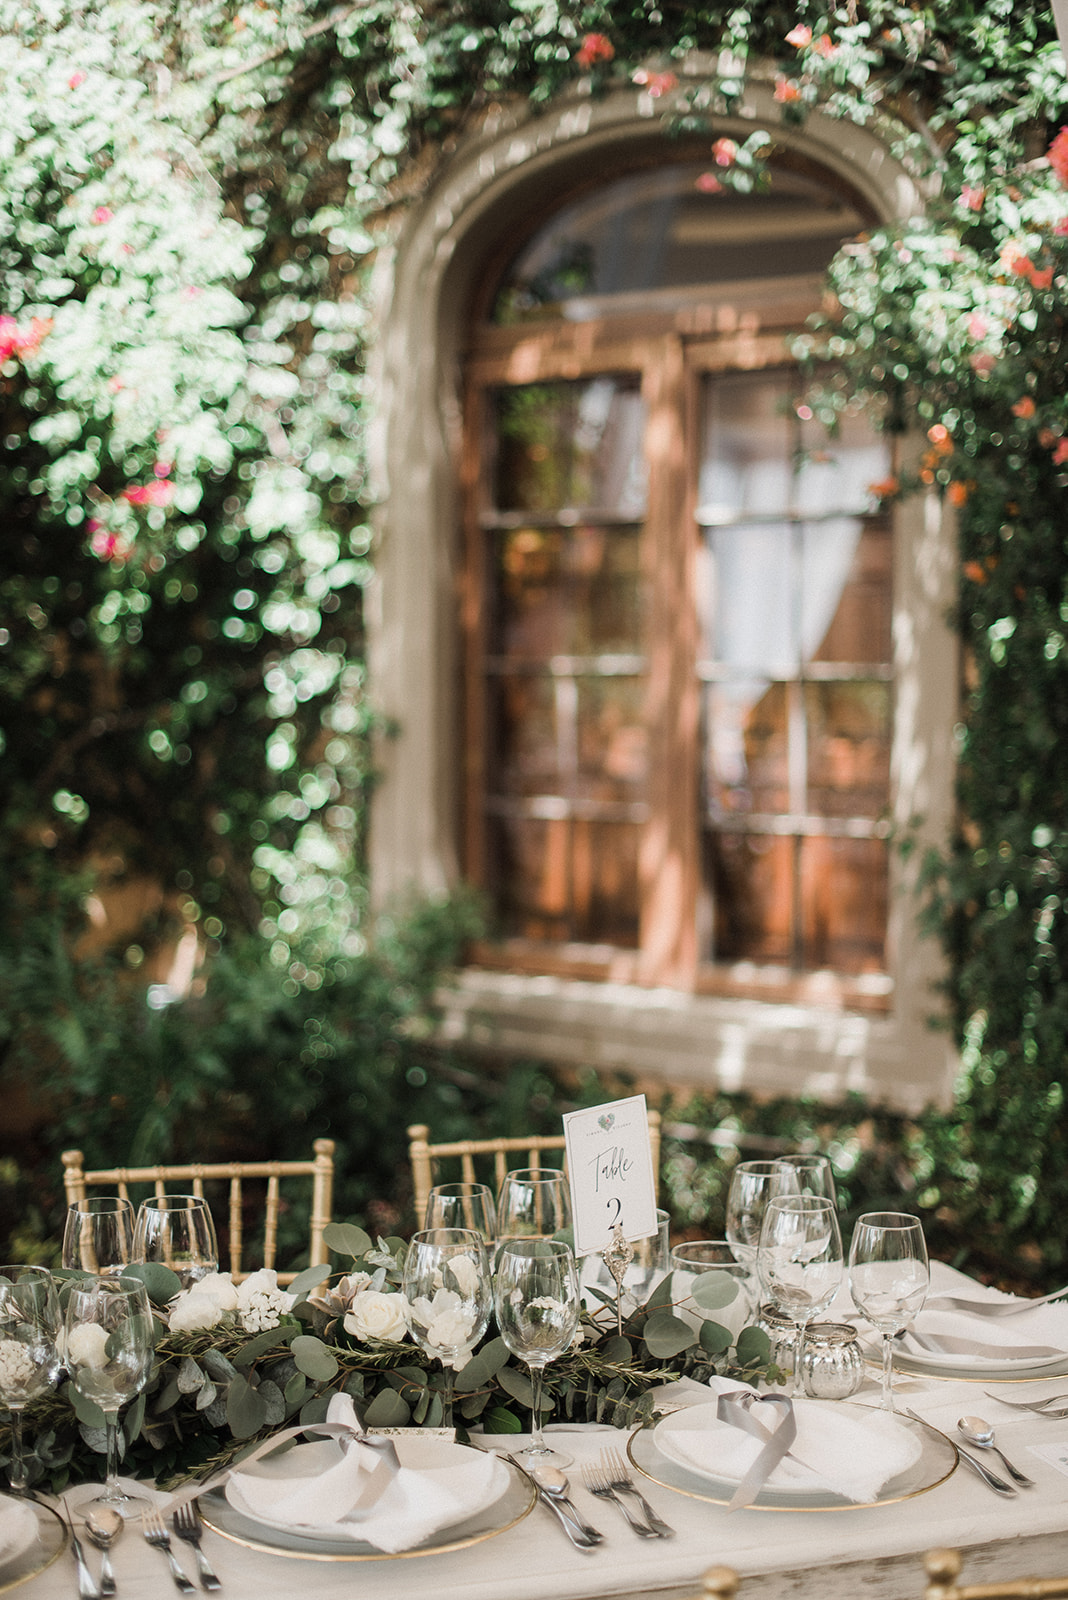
679,656
666,683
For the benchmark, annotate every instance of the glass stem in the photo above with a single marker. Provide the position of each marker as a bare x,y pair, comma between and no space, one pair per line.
887,1401
446,1396
17,1474
797,1388
111,1435
537,1375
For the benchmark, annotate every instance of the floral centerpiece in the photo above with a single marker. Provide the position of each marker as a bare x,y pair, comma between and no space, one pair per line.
237,1361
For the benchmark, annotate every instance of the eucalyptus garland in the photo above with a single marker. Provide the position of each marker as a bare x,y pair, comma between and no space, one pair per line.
263,1359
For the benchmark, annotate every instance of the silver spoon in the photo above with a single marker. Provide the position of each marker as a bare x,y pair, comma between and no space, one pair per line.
980,1433
103,1526
556,1486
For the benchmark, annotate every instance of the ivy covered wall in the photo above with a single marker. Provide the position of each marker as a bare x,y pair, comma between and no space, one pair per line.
189,202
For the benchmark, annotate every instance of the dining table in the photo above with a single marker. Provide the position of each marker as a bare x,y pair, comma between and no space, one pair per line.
796,1552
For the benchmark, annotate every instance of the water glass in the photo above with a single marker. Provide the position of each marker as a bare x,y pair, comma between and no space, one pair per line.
533,1203
29,1355
751,1187
708,1285
536,1299
98,1236
109,1337
462,1205
889,1276
177,1230
449,1291
807,1174
799,1261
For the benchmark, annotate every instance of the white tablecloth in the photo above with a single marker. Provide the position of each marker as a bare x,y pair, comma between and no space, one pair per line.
777,1553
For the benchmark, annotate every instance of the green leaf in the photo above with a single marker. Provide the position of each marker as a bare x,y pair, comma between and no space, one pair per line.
346,1239
296,1389
274,1403
315,1409
134,1418
714,1338
270,1339
499,1420
206,1396
617,1350
666,1335
246,1412
753,1346
162,1284
314,1358
387,1410
310,1278
218,1365
482,1367
517,1384
190,1376
713,1290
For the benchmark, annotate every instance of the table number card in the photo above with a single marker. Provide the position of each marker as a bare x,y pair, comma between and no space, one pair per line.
610,1168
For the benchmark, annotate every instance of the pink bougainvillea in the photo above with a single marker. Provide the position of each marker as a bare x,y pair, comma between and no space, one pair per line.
724,152
594,47
786,90
1057,155
101,214
799,37
971,197
655,84
160,493
16,341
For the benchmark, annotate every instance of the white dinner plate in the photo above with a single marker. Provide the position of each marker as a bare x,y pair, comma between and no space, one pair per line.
974,1369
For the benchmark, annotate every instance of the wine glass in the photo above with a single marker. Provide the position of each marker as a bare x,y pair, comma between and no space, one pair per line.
799,1261
108,1343
806,1174
98,1236
462,1205
448,1288
889,1276
536,1299
177,1230
752,1185
533,1203
708,1285
29,1356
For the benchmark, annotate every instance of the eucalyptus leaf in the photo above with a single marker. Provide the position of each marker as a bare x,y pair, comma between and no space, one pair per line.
162,1284
296,1389
191,1377
497,1419
206,1396
667,1335
261,1343
714,1338
274,1403
516,1384
346,1239
314,1358
310,1278
617,1350
387,1410
713,1290
753,1346
220,1367
246,1412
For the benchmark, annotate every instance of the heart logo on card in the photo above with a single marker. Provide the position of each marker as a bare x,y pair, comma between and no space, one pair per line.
607,1121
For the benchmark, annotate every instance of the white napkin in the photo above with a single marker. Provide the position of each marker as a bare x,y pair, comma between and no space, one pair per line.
851,1452
18,1527
330,1488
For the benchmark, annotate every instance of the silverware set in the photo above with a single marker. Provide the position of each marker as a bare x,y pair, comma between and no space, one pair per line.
186,1524
610,1480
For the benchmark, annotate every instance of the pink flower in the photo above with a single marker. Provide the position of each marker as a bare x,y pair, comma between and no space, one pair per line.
971,198
101,215
786,90
76,79
160,493
16,341
1057,156
1024,408
825,46
162,469
1061,228
1060,454
708,183
982,363
107,545
1041,280
724,152
978,326
594,47
799,37
656,83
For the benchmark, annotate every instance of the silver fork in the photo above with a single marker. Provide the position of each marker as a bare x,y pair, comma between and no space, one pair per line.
597,1483
1040,1407
155,1532
618,1477
186,1522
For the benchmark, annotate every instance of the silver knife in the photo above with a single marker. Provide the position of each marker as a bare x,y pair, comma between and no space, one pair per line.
977,1467
570,1527
87,1585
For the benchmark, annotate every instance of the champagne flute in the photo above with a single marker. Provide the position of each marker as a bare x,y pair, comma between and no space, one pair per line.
447,1285
889,1276
806,1174
536,1299
29,1356
177,1230
462,1205
533,1203
799,1261
109,1340
98,1236
751,1187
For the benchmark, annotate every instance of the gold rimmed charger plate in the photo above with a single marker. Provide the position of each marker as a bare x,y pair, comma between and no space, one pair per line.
47,1547
911,1366
506,1512
937,1460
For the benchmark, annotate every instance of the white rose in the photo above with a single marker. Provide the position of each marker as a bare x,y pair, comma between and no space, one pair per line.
465,1273
220,1286
191,1312
86,1344
374,1315
265,1281
451,1329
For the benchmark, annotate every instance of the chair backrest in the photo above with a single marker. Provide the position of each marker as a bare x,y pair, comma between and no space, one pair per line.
943,1569
719,1583
76,1182
425,1157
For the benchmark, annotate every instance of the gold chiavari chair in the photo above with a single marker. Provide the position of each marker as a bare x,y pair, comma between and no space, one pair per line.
76,1182
425,1157
943,1568
719,1583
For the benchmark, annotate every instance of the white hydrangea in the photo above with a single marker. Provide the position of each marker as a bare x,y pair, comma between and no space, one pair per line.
87,1346
16,1366
261,1304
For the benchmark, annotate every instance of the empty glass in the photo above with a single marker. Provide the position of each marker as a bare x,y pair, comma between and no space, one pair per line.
752,1185
889,1276
462,1205
708,1285
109,1337
799,1262
98,1236
177,1230
534,1203
807,1174
29,1356
448,1288
536,1299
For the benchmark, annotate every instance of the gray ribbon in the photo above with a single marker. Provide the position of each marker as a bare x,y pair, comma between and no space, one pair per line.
948,1345
992,1308
384,1469
738,1409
